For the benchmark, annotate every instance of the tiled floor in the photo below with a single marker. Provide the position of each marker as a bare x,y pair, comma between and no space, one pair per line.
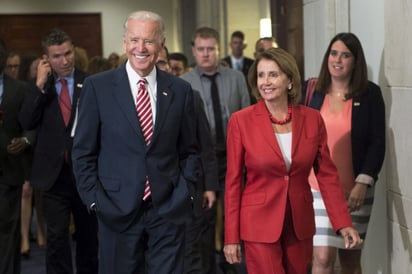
36,263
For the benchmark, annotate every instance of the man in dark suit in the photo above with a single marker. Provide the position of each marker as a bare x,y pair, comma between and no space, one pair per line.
196,255
237,60
232,95
14,144
137,169
205,195
50,107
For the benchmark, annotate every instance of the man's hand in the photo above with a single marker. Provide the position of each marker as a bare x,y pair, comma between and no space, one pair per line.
43,71
209,198
17,146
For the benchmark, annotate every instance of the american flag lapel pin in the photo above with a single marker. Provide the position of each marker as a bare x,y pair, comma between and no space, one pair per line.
79,85
356,104
164,93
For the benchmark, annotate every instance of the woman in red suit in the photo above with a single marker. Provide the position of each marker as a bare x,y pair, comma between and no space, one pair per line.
277,142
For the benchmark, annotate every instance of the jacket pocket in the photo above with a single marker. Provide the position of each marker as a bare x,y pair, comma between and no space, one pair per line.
251,199
110,184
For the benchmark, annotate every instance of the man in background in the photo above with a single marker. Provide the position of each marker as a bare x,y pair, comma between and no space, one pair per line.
204,197
236,60
50,107
178,63
263,44
223,91
13,64
162,62
14,143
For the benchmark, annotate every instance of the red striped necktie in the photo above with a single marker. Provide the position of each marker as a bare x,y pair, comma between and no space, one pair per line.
144,112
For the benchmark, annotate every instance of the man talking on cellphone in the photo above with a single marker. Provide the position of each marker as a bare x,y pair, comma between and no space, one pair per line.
49,107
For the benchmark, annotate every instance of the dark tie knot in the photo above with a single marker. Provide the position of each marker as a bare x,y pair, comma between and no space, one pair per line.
212,77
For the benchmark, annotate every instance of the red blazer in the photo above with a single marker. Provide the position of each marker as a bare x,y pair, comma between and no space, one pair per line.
256,211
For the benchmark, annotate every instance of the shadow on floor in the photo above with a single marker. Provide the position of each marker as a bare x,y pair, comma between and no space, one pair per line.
36,264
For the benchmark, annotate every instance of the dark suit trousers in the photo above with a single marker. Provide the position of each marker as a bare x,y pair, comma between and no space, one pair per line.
60,202
10,202
152,245
200,244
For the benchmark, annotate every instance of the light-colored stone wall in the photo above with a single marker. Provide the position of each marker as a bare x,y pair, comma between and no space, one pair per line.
399,172
398,74
384,28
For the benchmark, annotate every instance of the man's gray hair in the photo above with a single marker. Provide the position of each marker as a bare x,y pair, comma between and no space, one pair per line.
146,15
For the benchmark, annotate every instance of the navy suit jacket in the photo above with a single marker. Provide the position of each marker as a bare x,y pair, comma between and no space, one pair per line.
247,63
368,129
111,159
42,112
11,166
209,180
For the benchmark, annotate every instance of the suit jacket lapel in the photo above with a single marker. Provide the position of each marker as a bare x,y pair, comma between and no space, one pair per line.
298,121
78,84
77,87
164,99
267,130
122,93
7,86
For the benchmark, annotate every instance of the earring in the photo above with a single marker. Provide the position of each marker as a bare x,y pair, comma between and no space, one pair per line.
290,87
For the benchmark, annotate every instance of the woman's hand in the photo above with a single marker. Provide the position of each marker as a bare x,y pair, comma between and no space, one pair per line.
351,237
233,253
357,196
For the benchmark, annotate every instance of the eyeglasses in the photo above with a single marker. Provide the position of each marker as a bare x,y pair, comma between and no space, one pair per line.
161,63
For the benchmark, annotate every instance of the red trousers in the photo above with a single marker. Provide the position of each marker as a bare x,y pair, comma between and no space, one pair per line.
289,255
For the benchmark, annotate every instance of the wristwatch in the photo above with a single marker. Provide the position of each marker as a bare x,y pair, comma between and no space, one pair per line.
26,140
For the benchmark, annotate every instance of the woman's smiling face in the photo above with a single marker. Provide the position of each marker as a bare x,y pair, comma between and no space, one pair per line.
272,83
341,61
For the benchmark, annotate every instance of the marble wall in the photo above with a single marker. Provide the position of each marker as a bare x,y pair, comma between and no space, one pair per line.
397,73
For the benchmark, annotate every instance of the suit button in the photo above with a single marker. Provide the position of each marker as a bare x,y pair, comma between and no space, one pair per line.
286,178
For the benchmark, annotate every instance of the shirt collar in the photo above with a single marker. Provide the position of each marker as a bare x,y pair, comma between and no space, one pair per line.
202,72
234,59
134,77
68,77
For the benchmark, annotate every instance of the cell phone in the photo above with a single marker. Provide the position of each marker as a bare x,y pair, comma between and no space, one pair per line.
49,82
